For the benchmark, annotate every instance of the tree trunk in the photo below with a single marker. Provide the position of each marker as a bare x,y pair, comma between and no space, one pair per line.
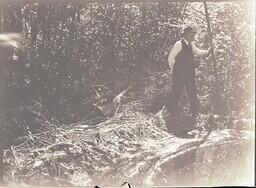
216,91
2,18
1,164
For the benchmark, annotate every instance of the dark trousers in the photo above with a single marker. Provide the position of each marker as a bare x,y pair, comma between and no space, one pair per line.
183,76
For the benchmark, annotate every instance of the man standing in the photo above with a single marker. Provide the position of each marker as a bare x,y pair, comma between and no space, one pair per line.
181,63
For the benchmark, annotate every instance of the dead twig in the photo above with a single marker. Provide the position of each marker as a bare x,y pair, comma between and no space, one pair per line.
59,146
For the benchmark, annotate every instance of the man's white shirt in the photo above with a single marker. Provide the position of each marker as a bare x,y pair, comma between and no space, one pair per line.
177,48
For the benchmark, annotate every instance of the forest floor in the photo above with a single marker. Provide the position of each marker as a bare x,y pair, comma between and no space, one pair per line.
134,146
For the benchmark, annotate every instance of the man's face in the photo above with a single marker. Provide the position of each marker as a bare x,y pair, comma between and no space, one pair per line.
190,36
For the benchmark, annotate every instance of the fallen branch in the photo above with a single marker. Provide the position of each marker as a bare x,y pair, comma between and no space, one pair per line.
59,146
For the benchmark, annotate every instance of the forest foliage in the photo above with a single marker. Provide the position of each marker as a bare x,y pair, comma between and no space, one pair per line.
79,55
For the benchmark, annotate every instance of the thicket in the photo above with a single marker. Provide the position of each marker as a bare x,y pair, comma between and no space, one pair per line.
81,54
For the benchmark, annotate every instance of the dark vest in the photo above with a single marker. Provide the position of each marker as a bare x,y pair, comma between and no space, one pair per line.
185,58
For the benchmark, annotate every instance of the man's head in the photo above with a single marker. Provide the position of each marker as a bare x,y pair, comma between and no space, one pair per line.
189,33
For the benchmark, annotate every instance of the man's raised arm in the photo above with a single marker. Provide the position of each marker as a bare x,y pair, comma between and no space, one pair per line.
199,52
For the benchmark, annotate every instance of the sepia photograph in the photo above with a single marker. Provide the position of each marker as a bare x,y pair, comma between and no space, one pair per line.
127,93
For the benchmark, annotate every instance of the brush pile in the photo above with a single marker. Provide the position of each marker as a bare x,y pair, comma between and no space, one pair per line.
131,146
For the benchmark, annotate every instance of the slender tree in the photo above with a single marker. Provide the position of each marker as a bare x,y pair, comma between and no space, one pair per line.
216,90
